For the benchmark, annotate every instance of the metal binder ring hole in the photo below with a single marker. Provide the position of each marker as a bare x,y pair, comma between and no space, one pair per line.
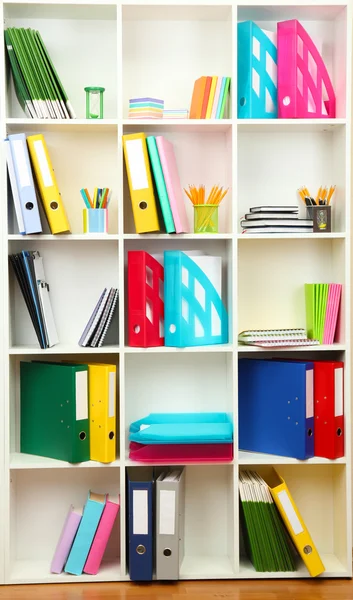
286,101
29,205
242,101
54,205
111,435
140,549
143,205
137,329
172,329
339,431
308,549
82,435
310,432
167,552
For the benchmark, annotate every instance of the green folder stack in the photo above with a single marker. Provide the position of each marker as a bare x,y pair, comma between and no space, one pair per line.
316,296
38,87
266,540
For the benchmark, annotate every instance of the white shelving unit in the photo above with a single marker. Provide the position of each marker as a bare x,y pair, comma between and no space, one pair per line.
138,48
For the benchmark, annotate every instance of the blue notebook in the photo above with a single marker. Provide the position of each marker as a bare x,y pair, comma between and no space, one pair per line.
85,533
182,428
276,407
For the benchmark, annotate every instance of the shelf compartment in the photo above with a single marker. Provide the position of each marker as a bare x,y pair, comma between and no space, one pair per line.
202,157
329,348
179,30
74,237
255,458
175,125
289,125
285,161
40,500
20,125
19,461
74,292
79,55
61,349
271,280
77,164
319,492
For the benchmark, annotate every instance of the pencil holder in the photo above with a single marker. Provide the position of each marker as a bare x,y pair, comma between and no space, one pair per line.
321,216
94,102
205,218
95,220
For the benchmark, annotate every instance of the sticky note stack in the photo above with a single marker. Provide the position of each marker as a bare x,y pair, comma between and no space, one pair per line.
146,108
176,113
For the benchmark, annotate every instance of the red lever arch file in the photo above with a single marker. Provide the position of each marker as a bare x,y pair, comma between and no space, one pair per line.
145,299
329,409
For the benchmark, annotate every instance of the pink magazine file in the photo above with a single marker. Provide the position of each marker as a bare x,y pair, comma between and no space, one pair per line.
172,182
216,97
166,453
101,538
66,540
304,85
329,313
335,314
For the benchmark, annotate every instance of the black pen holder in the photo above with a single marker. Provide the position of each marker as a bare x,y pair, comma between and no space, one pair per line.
321,216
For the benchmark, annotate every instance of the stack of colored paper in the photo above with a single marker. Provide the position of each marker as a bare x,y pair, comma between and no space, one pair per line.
146,108
185,437
209,98
176,113
266,540
322,306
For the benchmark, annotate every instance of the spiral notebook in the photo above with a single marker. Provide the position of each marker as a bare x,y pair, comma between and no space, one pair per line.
100,320
276,337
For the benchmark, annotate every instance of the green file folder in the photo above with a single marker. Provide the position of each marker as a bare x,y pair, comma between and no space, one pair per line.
160,184
54,411
21,89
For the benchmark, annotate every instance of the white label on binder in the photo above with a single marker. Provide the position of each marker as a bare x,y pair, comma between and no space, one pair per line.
81,395
111,408
20,159
290,512
43,163
166,512
137,164
310,393
140,512
338,392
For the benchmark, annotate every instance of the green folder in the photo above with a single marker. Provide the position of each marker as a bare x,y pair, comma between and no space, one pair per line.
54,410
57,97
34,70
316,297
310,310
26,69
225,97
38,67
160,184
21,89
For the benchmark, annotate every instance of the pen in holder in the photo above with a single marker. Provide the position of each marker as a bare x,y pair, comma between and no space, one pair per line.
95,220
321,216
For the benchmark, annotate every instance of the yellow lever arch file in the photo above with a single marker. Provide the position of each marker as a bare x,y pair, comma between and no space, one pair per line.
295,524
140,183
102,412
48,187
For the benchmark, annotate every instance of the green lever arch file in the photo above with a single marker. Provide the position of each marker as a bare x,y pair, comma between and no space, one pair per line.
54,411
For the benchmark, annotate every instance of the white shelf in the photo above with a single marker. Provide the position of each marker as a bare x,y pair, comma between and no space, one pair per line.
28,461
292,125
63,349
291,236
333,565
73,237
171,350
206,567
320,348
255,458
18,125
179,236
38,571
189,125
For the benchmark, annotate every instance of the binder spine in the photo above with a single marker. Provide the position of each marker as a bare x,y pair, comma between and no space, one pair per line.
300,91
309,430
257,73
80,433
146,307
140,531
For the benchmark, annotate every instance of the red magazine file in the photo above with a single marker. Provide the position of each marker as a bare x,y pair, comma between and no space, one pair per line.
145,305
328,409
167,453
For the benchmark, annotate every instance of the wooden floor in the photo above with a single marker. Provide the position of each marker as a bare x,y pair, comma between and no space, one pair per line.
193,590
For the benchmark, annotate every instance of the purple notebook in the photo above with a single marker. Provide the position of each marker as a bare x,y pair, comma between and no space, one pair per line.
66,539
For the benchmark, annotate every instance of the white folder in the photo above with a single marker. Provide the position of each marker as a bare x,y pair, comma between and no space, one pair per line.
44,298
14,188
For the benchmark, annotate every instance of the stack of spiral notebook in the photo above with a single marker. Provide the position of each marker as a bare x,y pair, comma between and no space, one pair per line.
275,219
276,337
100,320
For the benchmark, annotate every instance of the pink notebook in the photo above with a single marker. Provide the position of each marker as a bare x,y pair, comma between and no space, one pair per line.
101,538
165,453
66,540
172,182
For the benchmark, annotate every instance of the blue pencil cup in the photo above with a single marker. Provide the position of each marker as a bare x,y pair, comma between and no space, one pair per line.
257,72
95,220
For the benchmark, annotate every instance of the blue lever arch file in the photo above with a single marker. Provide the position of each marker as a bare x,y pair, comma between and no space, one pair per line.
276,407
193,309
257,72
140,523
